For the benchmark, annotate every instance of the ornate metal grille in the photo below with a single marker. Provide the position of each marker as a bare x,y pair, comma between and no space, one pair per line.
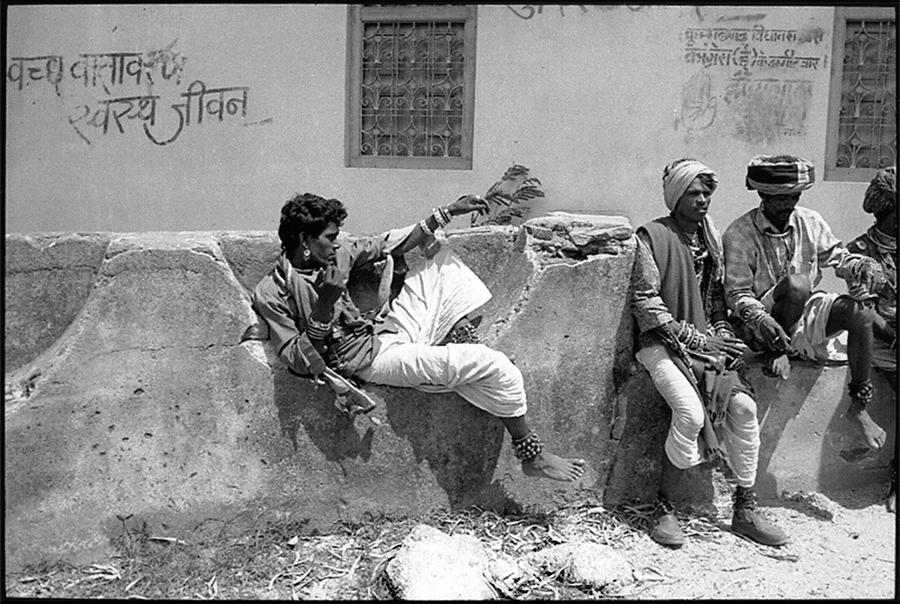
867,126
412,89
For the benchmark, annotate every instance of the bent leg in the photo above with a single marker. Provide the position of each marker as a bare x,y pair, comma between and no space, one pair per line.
484,377
789,299
434,298
687,409
741,431
847,314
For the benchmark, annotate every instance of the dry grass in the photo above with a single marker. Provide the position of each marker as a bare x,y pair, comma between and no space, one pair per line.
279,557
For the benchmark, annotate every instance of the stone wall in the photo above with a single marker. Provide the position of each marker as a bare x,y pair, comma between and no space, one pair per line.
130,394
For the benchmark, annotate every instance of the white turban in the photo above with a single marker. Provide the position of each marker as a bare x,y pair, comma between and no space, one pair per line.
678,176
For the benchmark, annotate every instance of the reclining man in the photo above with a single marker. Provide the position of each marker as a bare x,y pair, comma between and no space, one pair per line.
679,306
774,256
314,323
879,242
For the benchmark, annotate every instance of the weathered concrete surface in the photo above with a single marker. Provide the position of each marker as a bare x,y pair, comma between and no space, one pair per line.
808,443
47,279
146,405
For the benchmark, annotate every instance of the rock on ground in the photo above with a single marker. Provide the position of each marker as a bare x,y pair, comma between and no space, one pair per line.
593,564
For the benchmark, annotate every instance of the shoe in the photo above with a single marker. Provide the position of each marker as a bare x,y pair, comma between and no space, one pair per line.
667,531
750,523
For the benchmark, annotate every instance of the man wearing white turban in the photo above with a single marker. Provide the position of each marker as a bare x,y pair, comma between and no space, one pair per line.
687,346
774,256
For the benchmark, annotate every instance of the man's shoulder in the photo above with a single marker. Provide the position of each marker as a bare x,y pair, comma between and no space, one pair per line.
808,214
265,289
740,226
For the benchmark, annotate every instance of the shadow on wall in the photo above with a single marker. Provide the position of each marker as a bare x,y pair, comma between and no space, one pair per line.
808,443
460,443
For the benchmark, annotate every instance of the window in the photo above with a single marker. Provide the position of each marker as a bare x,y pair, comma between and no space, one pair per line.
862,110
410,86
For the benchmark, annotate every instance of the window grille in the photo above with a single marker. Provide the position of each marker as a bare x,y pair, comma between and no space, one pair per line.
410,86
862,124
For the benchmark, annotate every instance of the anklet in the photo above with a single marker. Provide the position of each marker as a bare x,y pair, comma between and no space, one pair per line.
862,391
528,446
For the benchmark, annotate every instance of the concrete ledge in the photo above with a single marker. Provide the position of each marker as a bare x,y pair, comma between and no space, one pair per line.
135,397
147,405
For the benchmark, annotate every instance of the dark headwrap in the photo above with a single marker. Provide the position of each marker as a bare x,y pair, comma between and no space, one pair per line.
882,192
780,174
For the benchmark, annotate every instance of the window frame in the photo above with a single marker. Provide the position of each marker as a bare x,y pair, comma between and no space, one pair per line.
842,14
358,14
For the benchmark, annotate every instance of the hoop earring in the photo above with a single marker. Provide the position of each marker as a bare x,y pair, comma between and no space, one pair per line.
306,253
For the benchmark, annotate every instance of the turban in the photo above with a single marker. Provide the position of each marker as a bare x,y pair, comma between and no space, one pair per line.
882,192
678,176
780,174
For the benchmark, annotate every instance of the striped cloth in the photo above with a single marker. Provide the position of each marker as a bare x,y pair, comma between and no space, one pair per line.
780,174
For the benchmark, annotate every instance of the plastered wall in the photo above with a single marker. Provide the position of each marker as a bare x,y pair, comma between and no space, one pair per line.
595,99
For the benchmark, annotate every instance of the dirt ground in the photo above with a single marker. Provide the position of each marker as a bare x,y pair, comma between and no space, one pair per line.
852,556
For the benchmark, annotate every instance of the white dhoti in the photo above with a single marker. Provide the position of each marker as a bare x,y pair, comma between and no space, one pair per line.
741,429
431,302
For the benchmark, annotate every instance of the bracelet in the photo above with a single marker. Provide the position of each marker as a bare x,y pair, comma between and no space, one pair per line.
316,329
723,327
441,216
424,226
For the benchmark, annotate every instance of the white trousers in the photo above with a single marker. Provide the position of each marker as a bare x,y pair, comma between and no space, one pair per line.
432,300
741,427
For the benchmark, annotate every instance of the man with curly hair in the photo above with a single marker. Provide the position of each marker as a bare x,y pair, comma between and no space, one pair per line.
422,339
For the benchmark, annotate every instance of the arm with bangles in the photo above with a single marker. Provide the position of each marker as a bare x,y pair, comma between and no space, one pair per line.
334,277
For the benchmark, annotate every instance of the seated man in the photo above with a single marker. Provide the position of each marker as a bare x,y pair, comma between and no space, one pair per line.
774,256
679,305
315,324
880,244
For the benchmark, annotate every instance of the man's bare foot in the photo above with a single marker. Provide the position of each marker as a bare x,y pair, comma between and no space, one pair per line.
548,465
872,432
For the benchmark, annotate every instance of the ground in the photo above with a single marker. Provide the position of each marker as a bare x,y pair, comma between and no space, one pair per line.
851,556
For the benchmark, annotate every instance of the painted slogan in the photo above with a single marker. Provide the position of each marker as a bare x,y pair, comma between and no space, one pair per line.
764,88
118,93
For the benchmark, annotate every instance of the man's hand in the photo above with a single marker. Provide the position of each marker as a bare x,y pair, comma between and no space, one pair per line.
330,288
467,204
872,276
773,335
732,347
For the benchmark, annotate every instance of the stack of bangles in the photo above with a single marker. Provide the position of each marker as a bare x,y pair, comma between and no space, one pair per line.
316,329
690,336
441,215
723,328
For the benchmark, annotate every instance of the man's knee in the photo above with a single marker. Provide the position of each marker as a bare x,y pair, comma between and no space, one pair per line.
847,313
689,421
794,289
742,408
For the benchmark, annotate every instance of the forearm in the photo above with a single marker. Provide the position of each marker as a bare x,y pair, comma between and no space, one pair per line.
439,218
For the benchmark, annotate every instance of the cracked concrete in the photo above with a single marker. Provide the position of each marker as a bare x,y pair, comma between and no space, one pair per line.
145,340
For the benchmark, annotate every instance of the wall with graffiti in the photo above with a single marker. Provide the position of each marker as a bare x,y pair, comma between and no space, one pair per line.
193,117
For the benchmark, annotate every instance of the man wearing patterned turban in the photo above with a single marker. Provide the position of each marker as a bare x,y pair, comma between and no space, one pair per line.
690,351
880,244
774,257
